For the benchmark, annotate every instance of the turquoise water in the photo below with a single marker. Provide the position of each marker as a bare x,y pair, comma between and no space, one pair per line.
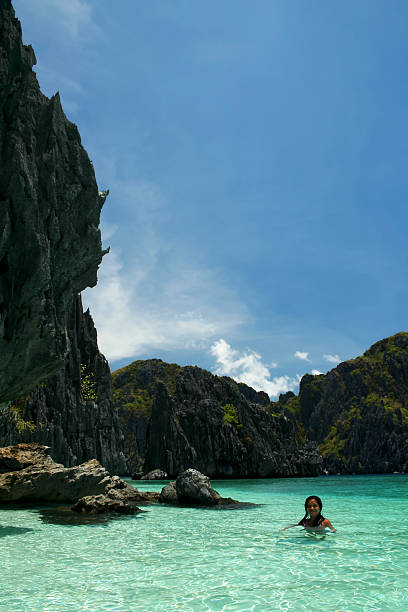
204,559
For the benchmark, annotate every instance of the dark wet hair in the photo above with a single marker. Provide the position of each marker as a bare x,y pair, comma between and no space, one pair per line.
319,517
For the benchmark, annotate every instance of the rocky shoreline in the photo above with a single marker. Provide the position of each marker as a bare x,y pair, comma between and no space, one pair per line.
28,475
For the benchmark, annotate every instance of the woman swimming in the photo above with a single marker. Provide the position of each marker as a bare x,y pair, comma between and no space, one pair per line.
313,519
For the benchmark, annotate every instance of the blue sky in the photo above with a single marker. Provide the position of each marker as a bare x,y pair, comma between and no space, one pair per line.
256,157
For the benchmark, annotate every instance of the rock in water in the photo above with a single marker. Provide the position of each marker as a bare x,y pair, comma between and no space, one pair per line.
100,504
154,475
193,486
50,244
193,489
168,494
35,477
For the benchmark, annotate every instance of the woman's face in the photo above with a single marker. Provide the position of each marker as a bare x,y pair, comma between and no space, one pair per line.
313,508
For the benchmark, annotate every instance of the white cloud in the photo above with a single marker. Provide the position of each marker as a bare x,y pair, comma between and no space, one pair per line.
247,367
151,295
301,355
71,16
332,358
316,372
136,312
153,292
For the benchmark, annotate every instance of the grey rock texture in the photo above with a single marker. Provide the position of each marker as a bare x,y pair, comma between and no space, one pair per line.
192,485
50,244
193,489
168,494
119,498
189,426
50,249
34,477
37,477
133,391
71,412
101,504
154,475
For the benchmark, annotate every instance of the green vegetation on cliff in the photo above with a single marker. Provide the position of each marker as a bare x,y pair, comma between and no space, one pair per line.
358,412
133,392
230,416
133,385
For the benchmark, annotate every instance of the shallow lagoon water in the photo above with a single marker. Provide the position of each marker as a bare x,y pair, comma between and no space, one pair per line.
208,559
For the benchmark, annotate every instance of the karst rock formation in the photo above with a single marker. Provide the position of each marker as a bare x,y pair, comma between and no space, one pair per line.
54,383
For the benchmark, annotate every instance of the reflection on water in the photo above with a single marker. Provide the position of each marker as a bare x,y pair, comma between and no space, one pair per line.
63,515
9,530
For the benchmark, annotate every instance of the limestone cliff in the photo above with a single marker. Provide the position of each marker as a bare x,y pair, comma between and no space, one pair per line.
71,412
50,245
176,418
55,386
358,412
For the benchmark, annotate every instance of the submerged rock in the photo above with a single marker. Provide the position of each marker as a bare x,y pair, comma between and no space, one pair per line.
99,504
193,488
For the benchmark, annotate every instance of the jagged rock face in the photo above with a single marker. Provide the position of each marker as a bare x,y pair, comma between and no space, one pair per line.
50,245
133,391
358,412
201,421
71,412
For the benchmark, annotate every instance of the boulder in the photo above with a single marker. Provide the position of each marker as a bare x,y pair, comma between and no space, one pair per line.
98,504
35,477
168,494
155,475
22,456
194,489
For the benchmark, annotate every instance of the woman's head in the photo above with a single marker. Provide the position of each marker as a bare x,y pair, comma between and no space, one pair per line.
312,502
313,508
